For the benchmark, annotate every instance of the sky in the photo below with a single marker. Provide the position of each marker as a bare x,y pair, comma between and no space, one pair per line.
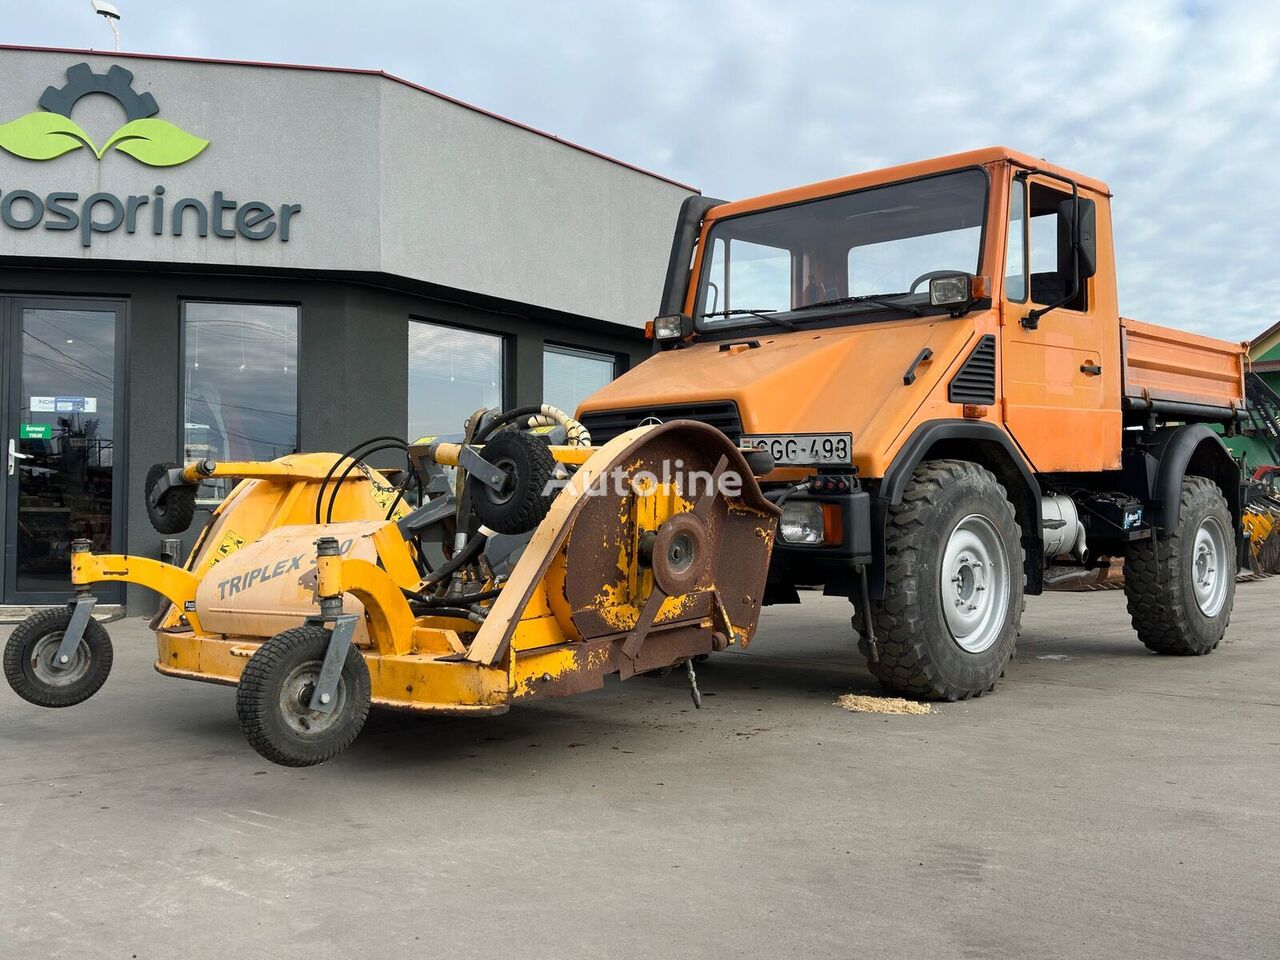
1175,105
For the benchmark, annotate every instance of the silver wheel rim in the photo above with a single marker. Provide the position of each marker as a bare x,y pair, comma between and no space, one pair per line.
975,584
295,695
1209,573
51,675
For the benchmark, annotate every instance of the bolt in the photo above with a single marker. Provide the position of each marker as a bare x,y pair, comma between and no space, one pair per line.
325,698
64,659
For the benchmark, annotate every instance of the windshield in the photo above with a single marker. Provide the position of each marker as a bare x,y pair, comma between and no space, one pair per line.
877,243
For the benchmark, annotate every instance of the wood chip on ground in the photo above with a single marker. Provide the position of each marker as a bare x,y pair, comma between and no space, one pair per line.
864,703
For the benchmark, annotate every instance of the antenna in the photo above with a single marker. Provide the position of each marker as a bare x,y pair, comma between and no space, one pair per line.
109,13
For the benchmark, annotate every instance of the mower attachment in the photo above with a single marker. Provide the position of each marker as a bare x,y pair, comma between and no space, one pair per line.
631,557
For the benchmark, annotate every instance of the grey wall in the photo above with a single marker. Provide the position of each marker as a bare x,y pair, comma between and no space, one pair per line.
391,180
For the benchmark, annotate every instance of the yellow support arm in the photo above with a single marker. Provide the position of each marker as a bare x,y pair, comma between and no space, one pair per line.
173,583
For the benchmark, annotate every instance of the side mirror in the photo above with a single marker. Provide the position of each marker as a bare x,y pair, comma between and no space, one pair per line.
1087,233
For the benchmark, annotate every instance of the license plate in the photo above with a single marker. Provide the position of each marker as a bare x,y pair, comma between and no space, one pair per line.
804,449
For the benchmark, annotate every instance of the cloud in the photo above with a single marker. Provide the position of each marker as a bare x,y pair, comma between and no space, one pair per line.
1176,105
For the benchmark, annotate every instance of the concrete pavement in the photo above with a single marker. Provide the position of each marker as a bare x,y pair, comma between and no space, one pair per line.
1105,802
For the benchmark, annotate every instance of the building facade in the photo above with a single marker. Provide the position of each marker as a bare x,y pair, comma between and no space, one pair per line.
203,258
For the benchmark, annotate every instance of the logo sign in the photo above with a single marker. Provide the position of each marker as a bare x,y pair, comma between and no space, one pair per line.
50,132
35,431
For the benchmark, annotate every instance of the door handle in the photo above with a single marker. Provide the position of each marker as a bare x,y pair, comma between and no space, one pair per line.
1092,369
15,456
924,356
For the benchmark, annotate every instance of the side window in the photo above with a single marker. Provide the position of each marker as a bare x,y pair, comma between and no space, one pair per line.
747,276
1015,263
1047,286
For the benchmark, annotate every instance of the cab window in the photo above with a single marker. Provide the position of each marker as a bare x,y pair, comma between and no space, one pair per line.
746,276
1015,270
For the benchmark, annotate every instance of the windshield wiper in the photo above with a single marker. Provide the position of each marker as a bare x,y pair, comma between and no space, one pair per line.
879,300
764,314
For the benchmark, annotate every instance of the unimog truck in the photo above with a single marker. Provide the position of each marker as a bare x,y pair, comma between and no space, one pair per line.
933,357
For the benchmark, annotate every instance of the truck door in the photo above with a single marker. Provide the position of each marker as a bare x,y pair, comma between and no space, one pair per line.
1061,379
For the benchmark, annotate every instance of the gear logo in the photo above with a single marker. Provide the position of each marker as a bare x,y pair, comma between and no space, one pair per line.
50,132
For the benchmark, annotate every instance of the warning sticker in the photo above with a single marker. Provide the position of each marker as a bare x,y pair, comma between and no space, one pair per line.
231,542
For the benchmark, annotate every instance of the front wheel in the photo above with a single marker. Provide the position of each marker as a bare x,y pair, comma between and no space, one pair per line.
31,652
953,597
272,700
1181,587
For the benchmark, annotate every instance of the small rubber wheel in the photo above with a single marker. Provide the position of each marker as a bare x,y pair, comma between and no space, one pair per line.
173,512
31,650
272,700
526,496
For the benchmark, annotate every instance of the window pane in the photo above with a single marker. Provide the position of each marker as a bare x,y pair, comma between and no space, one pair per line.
892,266
570,376
758,277
452,374
1015,280
241,377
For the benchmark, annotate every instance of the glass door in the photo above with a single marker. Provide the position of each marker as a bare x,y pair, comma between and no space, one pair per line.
63,453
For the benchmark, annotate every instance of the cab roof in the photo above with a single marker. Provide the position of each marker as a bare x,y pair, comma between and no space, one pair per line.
905,171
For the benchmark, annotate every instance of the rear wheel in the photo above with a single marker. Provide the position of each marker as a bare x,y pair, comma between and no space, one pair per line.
272,700
953,597
1181,588
30,657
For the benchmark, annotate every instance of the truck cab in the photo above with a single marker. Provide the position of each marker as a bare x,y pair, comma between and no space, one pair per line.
887,336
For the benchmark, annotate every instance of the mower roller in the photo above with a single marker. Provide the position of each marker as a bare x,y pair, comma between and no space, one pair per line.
312,589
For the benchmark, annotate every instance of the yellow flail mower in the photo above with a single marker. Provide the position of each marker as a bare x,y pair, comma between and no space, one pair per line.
532,565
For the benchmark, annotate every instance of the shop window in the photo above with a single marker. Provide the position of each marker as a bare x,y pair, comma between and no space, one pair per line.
570,375
452,374
240,384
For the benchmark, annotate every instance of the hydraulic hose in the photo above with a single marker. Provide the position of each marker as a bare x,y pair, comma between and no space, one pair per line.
460,559
350,454
779,497
333,497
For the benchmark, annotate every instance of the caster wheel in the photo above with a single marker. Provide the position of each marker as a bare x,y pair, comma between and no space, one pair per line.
32,648
275,690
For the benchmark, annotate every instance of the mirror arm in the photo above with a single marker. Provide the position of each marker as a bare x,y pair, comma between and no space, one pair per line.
1032,320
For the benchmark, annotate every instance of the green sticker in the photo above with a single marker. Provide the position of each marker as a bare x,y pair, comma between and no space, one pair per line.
35,431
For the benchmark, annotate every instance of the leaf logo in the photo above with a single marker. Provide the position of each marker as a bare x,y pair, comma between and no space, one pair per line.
45,135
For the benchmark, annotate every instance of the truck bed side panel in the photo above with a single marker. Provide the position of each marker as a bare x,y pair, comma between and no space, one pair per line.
1161,364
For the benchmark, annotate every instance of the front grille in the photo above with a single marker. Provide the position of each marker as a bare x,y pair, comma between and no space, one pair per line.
975,381
607,424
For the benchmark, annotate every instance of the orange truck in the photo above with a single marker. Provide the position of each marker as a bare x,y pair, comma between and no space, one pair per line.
933,360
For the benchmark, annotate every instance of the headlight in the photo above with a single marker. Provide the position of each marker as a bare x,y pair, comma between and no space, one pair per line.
673,326
801,522
948,291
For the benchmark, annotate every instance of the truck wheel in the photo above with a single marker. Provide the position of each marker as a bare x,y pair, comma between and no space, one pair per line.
275,690
30,652
953,596
1181,589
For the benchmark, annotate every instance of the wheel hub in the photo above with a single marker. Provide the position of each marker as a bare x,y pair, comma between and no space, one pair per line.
295,701
974,584
1209,571
43,666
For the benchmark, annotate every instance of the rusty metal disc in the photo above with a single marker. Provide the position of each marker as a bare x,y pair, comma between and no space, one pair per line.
680,554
